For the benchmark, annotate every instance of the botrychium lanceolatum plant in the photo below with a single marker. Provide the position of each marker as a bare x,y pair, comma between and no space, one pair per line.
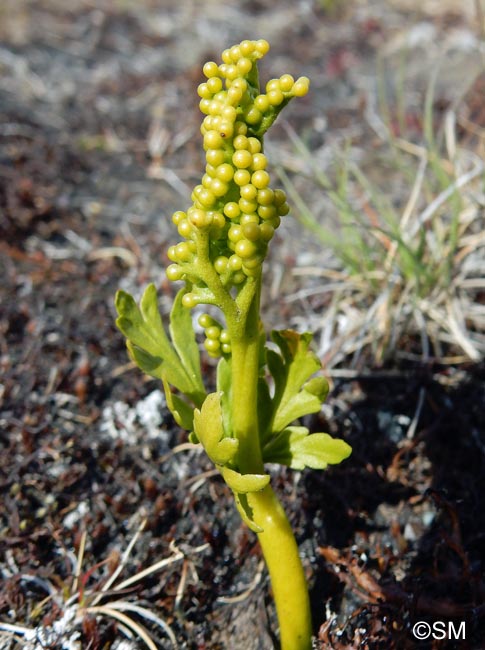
262,390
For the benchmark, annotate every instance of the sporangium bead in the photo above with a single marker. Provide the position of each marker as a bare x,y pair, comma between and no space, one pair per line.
189,300
183,252
248,207
221,264
252,231
238,277
184,228
205,320
246,47
235,233
300,87
279,197
218,187
203,91
206,124
248,218
178,216
224,172
252,272
210,69
215,157
242,177
213,140
215,107
205,197
218,221
286,83
174,272
232,210
226,56
235,263
262,47
212,346
229,113
260,179
216,125
254,145
265,196
242,158
267,231
213,332
240,83
240,128
267,211
224,337
235,53
252,263
226,129
244,66
275,222
283,209
248,192
253,116
261,102
204,106
214,84
200,218
275,97
171,254
240,142
206,181
234,96
259,162
231,72
273,84
226,348
245,249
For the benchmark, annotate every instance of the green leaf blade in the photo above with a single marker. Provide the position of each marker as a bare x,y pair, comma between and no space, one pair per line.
182,412
296,394
183,338
209,429
244,483
149,345
295,447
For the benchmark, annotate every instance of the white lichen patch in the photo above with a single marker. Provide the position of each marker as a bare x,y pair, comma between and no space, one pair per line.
132,425
75,516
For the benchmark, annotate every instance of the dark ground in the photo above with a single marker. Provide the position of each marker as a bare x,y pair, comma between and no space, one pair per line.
98,145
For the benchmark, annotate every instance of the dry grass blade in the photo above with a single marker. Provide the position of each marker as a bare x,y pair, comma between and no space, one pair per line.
72,605
129,623
124,606
229,600
461,182
413,277
122,564
149,570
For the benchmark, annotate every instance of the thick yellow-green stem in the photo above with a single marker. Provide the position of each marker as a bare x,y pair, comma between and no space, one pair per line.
245,368
277,540
288,580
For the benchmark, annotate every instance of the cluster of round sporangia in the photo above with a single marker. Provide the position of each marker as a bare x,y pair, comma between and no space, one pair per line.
230,95
217,340
234,202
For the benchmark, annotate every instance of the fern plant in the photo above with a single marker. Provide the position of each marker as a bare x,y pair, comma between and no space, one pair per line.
261,390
